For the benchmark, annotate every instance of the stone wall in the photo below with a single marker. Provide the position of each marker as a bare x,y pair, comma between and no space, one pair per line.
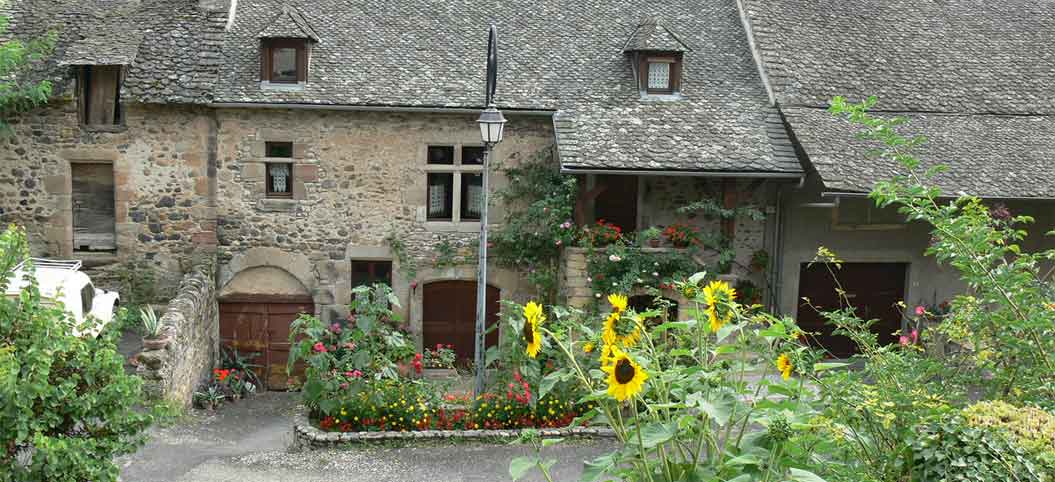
159,160
191,322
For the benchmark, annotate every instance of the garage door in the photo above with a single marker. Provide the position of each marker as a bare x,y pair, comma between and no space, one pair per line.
449,316
263,328
874,289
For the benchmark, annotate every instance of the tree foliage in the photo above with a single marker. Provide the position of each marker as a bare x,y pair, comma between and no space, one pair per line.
20,90
67,407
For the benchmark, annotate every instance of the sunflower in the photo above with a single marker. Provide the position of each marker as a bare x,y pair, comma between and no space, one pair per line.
784,365
719,296
619,329
533,317
588,347
625,376
607,354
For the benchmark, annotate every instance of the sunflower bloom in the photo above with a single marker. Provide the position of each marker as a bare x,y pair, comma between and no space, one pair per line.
533,317
618,302
588,347
784,365
625,377
607,354
718,296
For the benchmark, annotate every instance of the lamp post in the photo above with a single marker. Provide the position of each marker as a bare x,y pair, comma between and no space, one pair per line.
492,123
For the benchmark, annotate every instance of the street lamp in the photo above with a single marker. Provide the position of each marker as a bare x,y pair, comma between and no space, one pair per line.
492,123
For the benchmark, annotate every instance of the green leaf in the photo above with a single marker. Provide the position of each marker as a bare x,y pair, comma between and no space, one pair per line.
799,475
746,459
741,478
548,382
725,331
655,434
546,442
596,468
520,466
820,367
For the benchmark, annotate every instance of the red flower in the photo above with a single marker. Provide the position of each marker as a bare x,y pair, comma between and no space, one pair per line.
450,346
221,375
417,366
439,346
319,347
417,357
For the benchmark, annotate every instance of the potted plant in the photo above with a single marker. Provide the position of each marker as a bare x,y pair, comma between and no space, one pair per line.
680,235
155,335
759,260
601,233
439,362
209,398
652,236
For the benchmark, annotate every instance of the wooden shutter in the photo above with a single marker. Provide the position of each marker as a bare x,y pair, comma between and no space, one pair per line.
102,84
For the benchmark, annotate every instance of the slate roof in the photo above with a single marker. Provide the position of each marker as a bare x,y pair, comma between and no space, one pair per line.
652,36
171,47
565,57
289,24
974,76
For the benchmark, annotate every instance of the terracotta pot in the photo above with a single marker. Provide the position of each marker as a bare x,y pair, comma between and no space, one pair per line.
156,343
655,243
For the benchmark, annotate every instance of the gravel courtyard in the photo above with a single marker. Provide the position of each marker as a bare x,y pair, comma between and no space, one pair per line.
247,441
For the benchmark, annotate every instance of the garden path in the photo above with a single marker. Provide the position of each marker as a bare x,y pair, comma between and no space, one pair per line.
247,441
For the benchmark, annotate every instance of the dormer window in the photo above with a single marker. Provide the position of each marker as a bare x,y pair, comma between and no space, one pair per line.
285,49
661,73
285,61
656,54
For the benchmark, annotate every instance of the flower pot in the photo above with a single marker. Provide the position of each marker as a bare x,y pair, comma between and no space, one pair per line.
655,243
157,343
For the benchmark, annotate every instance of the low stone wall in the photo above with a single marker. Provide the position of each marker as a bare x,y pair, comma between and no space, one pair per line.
306,436
192,324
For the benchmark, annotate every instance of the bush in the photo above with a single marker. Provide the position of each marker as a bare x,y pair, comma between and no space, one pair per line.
1031,428
66,404
951,450
342,356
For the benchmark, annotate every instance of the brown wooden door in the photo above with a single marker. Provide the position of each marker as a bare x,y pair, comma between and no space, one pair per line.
874,289
449,316
617,203
263,328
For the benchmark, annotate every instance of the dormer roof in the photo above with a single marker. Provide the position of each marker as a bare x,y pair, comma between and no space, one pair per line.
652,36
289,24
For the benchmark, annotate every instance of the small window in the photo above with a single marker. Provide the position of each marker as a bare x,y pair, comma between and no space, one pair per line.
472,196
279,179
278,149
285,61
93,207
660,74
472,155
100,95
441,155
365,273
440,196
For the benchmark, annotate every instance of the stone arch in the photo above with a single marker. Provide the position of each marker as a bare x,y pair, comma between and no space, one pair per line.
292,264
265,281
504,280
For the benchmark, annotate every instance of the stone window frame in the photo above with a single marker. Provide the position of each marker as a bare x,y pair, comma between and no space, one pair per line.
304,171
274,160
458,169
373,261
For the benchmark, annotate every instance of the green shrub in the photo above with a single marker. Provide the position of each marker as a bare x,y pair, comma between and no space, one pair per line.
952,450
1031,428
66,404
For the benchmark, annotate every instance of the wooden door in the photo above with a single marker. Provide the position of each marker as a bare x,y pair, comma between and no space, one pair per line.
617,202
93,206
263,328
449,316
874,289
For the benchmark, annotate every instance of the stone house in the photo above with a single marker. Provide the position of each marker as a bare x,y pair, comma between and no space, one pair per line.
973,77
294,140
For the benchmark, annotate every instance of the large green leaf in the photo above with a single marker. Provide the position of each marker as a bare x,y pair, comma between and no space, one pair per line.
656,433
520,466
548,382
799,475
596,468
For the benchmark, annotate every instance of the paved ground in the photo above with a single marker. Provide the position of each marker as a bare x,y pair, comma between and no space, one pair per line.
246,442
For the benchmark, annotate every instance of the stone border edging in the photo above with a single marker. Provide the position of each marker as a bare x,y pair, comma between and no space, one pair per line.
307,436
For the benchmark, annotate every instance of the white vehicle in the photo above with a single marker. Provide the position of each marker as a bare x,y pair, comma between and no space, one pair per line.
62,282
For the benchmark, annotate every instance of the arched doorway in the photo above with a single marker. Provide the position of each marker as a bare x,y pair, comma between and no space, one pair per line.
449,316
256,309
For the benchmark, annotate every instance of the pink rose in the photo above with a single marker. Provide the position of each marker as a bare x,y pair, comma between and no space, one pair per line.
920,311
915,336
319,347
336,327
903,340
